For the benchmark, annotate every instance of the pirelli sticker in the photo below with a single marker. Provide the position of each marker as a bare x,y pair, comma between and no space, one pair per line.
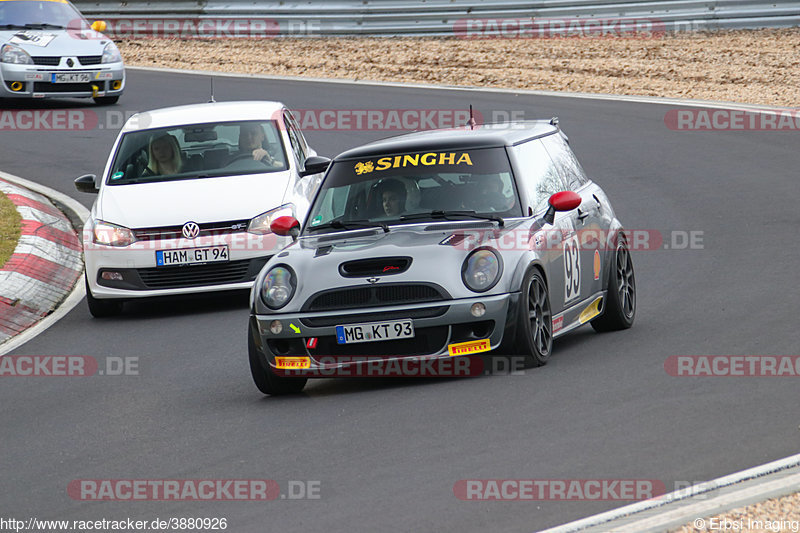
292,363
469,348
414,160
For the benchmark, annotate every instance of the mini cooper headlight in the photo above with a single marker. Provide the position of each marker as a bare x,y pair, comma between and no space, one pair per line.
481,270
278,286
111,54
14,54
111,234
260,224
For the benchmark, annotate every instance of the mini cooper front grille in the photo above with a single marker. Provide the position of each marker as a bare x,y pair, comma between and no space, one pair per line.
375,296
425,312
426,341
50,61
206,229
90,60
379,266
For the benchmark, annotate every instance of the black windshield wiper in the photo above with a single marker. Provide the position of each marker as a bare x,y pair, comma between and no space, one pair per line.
12,27
350,224
453,215
43,25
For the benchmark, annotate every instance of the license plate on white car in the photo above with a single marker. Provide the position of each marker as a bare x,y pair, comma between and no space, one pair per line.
375,331
71,77
192,256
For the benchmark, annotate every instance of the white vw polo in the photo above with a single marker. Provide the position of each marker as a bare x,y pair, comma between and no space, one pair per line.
187,197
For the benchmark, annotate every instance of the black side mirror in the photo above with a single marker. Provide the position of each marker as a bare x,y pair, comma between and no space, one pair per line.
86,183
314,165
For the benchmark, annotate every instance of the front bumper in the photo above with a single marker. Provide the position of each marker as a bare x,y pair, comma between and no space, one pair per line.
36,81
437,325
142,278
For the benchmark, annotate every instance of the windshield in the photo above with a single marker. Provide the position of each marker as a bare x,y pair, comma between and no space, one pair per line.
198,151
407,188
35,14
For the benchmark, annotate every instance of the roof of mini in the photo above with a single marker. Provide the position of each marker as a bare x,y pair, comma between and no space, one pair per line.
482,136
204,113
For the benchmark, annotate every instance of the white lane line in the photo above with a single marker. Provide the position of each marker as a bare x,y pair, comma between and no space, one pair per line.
683,494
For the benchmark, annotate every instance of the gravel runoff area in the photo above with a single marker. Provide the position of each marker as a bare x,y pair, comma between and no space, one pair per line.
771,516
746,66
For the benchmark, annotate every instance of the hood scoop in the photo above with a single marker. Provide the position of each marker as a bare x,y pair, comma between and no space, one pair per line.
379,266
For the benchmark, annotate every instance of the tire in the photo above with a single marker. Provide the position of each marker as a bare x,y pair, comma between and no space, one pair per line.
266,381
620,307
106,100
534,332
101,308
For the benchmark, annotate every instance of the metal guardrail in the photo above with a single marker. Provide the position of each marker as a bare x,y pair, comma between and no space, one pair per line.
316,18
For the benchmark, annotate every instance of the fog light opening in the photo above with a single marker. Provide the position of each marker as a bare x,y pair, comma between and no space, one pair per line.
17,86
480,331
282,347
111,275
116,84
275,327
477,310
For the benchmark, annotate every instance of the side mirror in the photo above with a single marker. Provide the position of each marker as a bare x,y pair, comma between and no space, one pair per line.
99,25
87,183
285,226
314,165
561,201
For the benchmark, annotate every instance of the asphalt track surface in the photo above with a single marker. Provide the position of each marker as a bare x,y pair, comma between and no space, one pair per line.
387,453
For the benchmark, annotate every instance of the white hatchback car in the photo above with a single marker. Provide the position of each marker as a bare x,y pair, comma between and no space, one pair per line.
187,197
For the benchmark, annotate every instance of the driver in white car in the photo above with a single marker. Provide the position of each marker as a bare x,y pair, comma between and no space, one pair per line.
251,140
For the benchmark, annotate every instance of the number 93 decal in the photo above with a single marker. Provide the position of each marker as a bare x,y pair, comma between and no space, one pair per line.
572,269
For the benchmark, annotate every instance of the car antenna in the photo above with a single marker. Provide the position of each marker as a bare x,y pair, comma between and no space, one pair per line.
471,122
212,101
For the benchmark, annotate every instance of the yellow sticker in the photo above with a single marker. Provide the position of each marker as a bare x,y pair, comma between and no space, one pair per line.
290,363
467,348
591,311
414,160
596,264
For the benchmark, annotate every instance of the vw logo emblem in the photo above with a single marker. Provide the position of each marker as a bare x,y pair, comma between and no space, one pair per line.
190,230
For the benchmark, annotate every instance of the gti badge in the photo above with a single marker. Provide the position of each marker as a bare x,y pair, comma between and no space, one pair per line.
190,230
373,280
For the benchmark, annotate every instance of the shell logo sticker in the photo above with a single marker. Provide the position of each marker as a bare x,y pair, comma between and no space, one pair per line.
596,265
292,363
468,348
